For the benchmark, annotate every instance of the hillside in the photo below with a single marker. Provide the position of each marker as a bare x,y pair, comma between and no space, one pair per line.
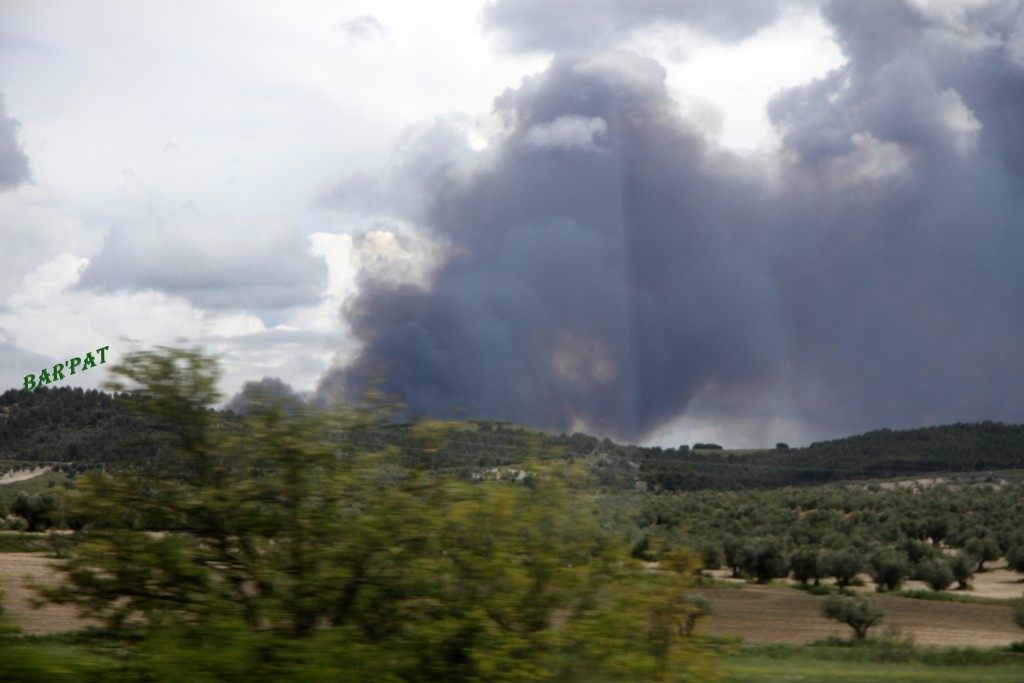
67,425
80,430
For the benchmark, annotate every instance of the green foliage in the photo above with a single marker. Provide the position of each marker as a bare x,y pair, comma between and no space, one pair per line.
943,596
40,511
962,567
860,614
82,430
1015,558
885,651
889,569
886,452
844,565
79,429
805,565
712,551
983,549
284,548
936,573
764,560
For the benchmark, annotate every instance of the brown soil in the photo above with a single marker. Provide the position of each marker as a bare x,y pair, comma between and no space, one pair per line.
999,583
757,614
15,570
780,614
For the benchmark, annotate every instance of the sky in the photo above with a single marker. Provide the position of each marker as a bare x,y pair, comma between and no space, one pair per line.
740,221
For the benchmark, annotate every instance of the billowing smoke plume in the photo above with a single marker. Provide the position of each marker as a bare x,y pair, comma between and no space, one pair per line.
268,388
608,268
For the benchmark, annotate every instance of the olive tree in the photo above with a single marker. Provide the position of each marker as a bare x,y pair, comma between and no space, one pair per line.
764,560
844,565
983,549
1015,558
936,573
888,569
805,564
860,614
962,567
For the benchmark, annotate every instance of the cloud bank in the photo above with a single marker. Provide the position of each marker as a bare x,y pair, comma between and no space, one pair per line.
14,168
607,268
585,25
214,264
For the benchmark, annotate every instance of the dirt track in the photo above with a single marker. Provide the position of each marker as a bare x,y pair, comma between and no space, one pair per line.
25,475
779,614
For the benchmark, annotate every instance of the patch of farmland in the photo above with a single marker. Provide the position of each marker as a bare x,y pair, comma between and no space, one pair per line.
998,583
15,569
770,615
23,475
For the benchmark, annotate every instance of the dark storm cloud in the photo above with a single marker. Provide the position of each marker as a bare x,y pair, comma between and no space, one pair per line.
583,25
266,265
13,162
608,268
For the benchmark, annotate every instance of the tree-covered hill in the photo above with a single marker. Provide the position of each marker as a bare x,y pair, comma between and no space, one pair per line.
84,429
950,448
67,425
884,453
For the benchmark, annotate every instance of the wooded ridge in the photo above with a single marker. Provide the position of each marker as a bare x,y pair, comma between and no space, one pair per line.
76,430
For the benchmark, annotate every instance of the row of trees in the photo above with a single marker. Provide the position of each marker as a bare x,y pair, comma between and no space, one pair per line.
938,535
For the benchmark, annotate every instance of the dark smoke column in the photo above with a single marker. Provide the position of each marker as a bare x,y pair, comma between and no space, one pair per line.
600,272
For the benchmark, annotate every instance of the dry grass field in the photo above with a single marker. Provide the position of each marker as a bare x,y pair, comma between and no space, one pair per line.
17,569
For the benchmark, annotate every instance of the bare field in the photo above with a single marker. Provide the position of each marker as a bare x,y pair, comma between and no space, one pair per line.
15,570
777,614
24,475
757,614
998,583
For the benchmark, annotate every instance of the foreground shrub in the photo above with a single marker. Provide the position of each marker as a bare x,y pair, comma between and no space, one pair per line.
283,548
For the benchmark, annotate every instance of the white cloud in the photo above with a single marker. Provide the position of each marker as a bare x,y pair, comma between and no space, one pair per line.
36,227
568,132
215,264
740,78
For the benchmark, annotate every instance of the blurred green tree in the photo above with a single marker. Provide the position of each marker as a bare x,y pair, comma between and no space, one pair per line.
282,548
